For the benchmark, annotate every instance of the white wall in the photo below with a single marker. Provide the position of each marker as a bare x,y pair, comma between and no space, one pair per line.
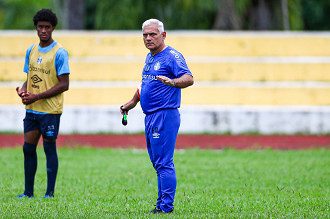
194,119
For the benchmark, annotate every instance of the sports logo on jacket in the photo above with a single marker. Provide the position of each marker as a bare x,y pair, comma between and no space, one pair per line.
157,66
39,60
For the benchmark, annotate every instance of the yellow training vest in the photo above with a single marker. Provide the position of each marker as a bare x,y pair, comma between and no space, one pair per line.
43,76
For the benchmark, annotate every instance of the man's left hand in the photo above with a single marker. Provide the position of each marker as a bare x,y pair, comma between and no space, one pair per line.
166,80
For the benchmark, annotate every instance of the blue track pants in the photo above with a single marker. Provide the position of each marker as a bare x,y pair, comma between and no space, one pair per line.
161,130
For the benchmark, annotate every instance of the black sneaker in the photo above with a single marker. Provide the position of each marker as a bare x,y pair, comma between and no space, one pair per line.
48,196
159,211
156,211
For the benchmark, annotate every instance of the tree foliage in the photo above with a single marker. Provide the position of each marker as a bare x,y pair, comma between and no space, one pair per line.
176,14
315,14
128,14
18,14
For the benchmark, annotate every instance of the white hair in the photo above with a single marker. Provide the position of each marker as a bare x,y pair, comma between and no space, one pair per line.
154,21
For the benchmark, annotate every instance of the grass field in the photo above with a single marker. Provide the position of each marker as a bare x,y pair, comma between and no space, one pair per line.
117,183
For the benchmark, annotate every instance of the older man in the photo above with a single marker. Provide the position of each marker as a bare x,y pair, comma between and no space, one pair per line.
165,72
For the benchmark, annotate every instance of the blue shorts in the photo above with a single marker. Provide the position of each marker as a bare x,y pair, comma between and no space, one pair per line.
161,130
48,124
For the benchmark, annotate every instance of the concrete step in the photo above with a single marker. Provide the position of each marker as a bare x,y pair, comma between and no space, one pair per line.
219,93
203,68
189,43
194,119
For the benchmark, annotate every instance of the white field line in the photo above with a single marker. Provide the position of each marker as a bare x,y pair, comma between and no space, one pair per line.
197,84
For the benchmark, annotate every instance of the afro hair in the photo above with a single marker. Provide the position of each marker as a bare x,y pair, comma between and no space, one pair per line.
45,15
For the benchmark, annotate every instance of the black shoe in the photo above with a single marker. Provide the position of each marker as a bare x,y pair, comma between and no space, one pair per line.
156,211
48,196
159,211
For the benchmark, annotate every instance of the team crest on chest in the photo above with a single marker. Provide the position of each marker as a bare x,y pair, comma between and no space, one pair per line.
39,60
157,66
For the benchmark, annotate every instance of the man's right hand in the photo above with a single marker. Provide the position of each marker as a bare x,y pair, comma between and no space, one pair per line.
20,92
123,111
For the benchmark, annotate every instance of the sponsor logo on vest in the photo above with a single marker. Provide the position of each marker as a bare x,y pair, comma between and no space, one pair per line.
35,80
42,70
39,60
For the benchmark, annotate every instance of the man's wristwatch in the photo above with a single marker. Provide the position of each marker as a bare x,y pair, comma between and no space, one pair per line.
173,83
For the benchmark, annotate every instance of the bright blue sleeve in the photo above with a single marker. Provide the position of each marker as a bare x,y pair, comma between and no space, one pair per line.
27,59
62,62
178,64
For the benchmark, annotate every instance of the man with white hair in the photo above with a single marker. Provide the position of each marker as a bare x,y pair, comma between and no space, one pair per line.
164,74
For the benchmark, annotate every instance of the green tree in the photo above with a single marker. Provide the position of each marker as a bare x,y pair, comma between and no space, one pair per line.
130,14
316,14
176,14
114,14
18,14
295,15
